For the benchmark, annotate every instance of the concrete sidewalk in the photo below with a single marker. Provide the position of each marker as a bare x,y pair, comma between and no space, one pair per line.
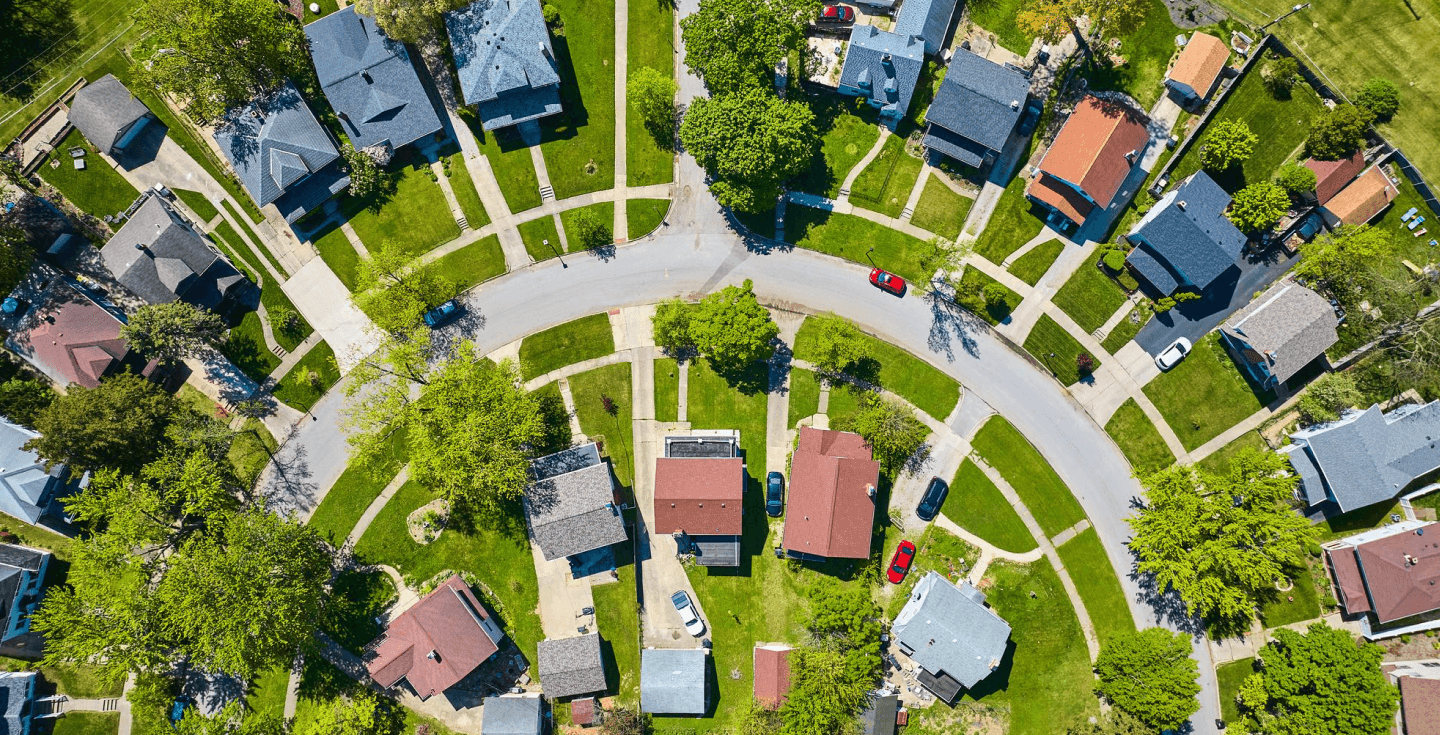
324,301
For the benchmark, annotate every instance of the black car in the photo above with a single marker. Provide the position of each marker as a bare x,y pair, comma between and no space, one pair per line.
934,498
774,494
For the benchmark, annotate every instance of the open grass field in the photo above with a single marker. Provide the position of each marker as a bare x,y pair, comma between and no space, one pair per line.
534,234
1031,267
354,491
1138,438
643,216
1003,447
940,210
510,160
651,39
417,216
308,381
566,344
1053,346
590,389
976,505
849,237
1204,395
579,143
337,252
969,293
885,184
465,193
475,263
804,395
667,389
894,369
1089,297
1013,224
97,189
848,135
1094,577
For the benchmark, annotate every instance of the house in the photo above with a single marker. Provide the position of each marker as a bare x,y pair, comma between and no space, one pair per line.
1419,683
950,633
1185,241
976,109
107,115
1196,72
435,643
370,82
282,154
673,681
1332,176
44,226
511,714
1366,457
27,490
883,68
570,504
1389,575
831,508
700,493
22,579
571,666
880,715
772,674
505,62
161,257
1280,332
1361,200
927,20
17,697
1091,157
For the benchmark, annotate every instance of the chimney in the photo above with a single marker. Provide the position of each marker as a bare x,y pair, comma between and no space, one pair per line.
1181,205
1014,104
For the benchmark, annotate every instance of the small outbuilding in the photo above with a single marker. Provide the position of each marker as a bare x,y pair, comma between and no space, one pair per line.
673,681
571,666
1197,71
772,674
512,715
107,114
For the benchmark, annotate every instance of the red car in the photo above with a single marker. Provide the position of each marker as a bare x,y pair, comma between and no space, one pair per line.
887,281
837,14
900,563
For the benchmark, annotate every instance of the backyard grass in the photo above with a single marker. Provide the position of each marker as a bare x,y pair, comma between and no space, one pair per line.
667,389
937,550
1003,447
617,618
534,234
604,211
417,216
579,143
1299,603
1094,577
1013,224
1089,297
78,681
250,233
510,160
354,491
940,210
326,7
976,505
245,348
643,216
885,184
337,252
1231,675
804,396
1031,266
1125,330
356,600
848,137
1219,461
590,389
1138,439
87,723
998,17
310,378
1147,51
198,204
969,293
98,189
583,339
913,379
849,237
1053,346
465,193
265,694
1204,395
475,263
651,41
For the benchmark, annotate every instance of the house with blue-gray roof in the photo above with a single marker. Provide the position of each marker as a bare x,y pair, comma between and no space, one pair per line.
882,67
1185,242
673,681
505,61
281,153
1366,457
949,632
929,20
370,82
976,109
512,715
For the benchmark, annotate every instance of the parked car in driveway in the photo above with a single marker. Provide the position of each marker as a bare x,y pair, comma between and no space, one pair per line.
837,14
900,562
442,313
774,494
887,281
693,624
1173,354
933,498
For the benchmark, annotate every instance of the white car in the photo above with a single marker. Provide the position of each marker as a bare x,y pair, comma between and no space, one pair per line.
693,624
1173,354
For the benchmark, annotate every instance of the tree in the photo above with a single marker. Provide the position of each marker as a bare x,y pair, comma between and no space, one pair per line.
890,428
360,713
1259,206
1380,96
671,327
1281,75
232,719
1052,19
120,423
1221,541
169,332
1227,143
847,620
732,329
591,232
21,401
1342,259
759,720
16,255
749,142
838,344
1324,682
735,45
396,290
1325,398
1114,722
1338,132
367,178
1295,178
624,721
408,21
823,696
217,54
1150,675
653,95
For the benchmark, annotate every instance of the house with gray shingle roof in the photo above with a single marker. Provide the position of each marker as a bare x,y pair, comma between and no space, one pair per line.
673,681
27,490
281,153
571,666
570,503
511,715
1280,332
22,579
928,20
976,109
107,114
882,67
370,82
1366,457
505,62
17,701
1185,241
951,634
161,258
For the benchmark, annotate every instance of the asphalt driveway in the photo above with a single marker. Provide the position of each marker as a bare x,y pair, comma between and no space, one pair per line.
1194,319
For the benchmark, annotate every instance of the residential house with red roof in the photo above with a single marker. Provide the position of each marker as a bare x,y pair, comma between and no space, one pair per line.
772,674
700,494
1361,200
435,643
1419,682
1089,161
1196,71
1332,176
831,510
1389,575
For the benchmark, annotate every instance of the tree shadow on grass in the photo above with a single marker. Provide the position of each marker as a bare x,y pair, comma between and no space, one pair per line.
39,34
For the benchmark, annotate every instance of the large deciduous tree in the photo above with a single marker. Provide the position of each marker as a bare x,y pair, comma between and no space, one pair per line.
22,400
360,713
838,343
1053,19
750,142
1295,178
1324,682
409,21
734,45
1150,675
823,697
120,424
1114,722
1338,132
1227,143
1343,259
1259,206
890,428
653,95
671,327
169,332
396,290
732,329
1380,96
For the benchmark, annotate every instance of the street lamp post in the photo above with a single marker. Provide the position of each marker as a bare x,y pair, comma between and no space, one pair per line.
867,256
557,253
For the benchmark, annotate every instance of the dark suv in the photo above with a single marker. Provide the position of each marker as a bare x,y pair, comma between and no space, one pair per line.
774,494
934,498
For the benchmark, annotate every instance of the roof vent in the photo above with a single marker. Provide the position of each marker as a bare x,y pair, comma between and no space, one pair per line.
433,655
1014,104
366,76
611,508
870,490
1181,205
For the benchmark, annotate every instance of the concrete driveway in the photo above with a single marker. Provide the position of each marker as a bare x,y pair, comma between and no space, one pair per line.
1194,319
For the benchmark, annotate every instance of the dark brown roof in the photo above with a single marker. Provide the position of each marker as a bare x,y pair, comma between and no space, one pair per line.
830,511
447,623
1091,149
1332,176
699,495
1420,702
1402,573
772,674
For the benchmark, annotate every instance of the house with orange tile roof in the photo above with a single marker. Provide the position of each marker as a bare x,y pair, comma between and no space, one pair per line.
1332,176
435,643
700,494
1197,70
1361,200
1084,168
831,509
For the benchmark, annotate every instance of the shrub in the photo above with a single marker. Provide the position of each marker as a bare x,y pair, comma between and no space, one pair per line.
1085,363
994,294
1295,178
1114,260
1380,96
1327,397
1227,143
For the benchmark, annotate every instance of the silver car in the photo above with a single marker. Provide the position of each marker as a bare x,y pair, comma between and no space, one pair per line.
693,624
1173,354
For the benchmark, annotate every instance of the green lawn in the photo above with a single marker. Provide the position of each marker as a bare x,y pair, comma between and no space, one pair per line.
969,293
849,237
1040,489
976,505
98,189
354,491
198,204
337,252
245,348
265,695
1231,676
604,211
913,379
1219,461
848,136
885,184
272,296
1125,330
1031,266
534,234
644,215
475,263
300,394
937,550
465,193
326,7
998,17
940,210
79,681
667,389
250,233
804,396
1012,224
1147,51
1138,438
590,389
1089,297
651,34
357,599
510,160
1094,577
417,216
1204,395
1053,346
1298,604
1360,519
617,618
579,143
566,344
87,723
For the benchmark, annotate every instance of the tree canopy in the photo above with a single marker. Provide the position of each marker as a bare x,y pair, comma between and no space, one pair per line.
732,329
1150,675
750,142
408,21
1380,96
890,428
396,290
1259,206
735,45
1338,132
653,95
1326,397
169,332
1295,178
22,400
1227,143
1052,19
671,327
119,424
838,343
1324,682
1343,259
830,678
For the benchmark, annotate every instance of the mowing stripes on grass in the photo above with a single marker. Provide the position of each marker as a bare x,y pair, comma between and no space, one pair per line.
884,185
1089,297
475,263
667,389
198,204
259,244
976,505
1204,395
1094,577
913,379
643,216
1138,438
1003,447
566,344
1053,346
1031,266
940,210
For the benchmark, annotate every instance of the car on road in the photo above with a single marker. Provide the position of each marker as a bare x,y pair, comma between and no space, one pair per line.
934,497
442,313
1173,354
887,281
693,624
900,563
774,494
837,14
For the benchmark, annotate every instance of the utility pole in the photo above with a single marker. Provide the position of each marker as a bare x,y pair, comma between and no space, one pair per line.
1293,11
